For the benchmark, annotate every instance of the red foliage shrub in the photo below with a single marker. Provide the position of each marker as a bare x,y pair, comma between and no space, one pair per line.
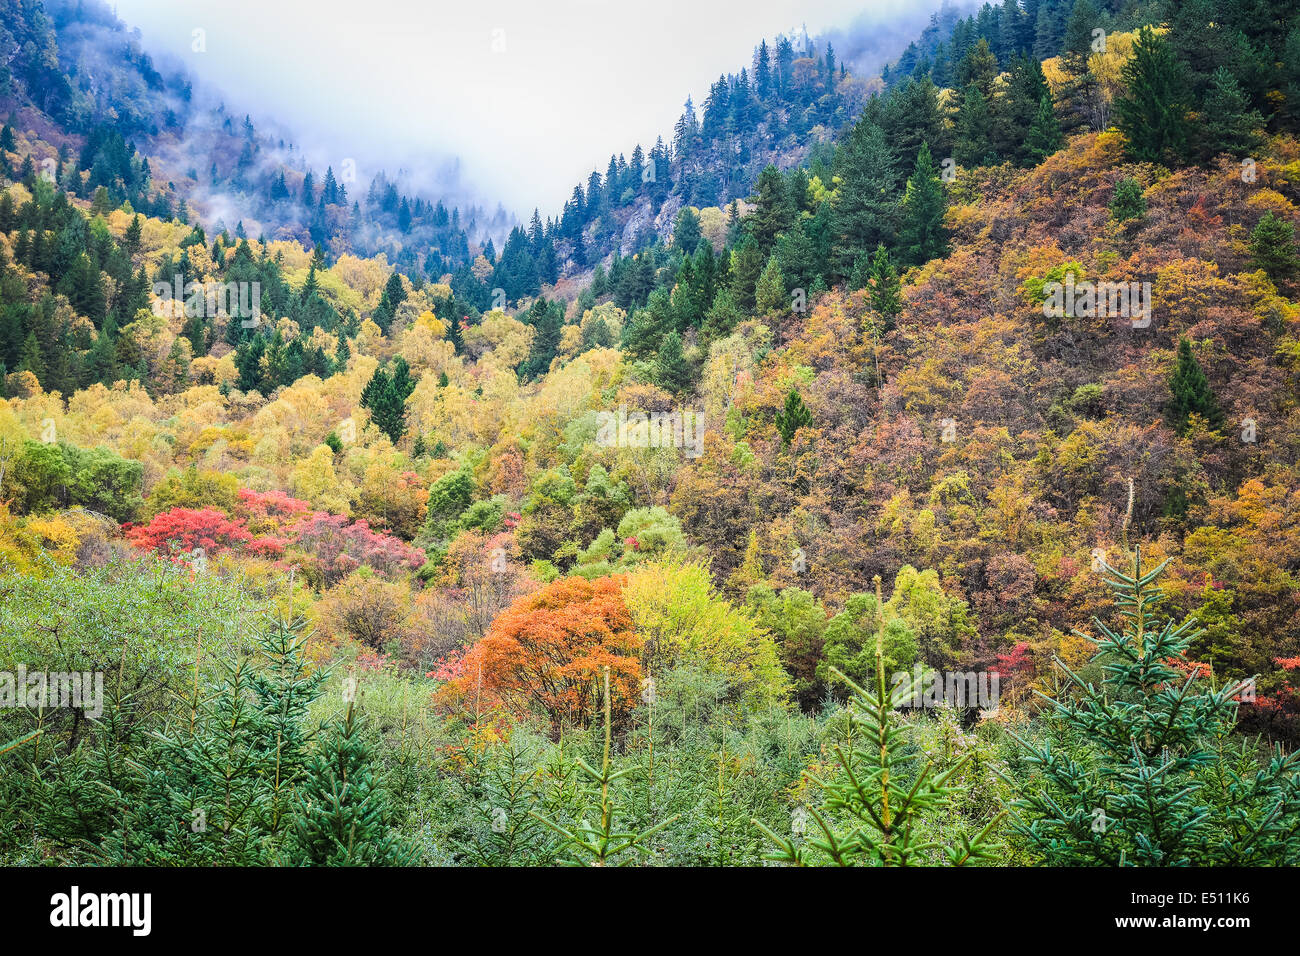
184,529
338,547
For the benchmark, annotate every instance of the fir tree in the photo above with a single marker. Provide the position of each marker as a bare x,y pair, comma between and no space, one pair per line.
723,316
547,321
385,395
922,235
774,212
342,351
769,293
865,214
886,290
341,817
1272,247
793,417
974,130
601,843
1128,201
1140,771
1191,392
1152,113
1228,123
672,371
877,794
1044,136
747,262
454,334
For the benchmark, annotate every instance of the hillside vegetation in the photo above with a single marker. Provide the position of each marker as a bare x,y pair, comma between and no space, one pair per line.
621,555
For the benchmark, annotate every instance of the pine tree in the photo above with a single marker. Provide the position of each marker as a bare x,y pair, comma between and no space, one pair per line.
686,232
385,395
342,351
1191,392
394,294
644,332
31,359
922,236
775,211
1153,112
547,321
974,130
601,844
284,688
131,239
877,793
454,334
1139,771
747,262
723,316
793,417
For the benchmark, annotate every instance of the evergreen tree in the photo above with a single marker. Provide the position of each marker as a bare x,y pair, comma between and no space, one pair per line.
922,235
31,359
686,232
723,316
793,417
774,212
342,351
547,321
1191,392
1128,201
1272,247
797,256
877,792
1140,771
1228,123
342,809
769,293
1044,136
385,395
1153,112
601,844
886,290
974,130
672,371
747,263
454,334
394,294
644,331
865,214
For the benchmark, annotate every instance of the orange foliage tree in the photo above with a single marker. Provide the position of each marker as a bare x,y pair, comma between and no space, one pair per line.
547,652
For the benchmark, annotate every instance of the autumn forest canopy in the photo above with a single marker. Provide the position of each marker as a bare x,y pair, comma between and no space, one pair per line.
876,470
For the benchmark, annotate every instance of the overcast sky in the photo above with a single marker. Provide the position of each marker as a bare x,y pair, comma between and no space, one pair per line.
531,95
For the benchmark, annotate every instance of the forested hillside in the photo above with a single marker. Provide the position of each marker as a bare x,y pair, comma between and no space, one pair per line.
666,535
